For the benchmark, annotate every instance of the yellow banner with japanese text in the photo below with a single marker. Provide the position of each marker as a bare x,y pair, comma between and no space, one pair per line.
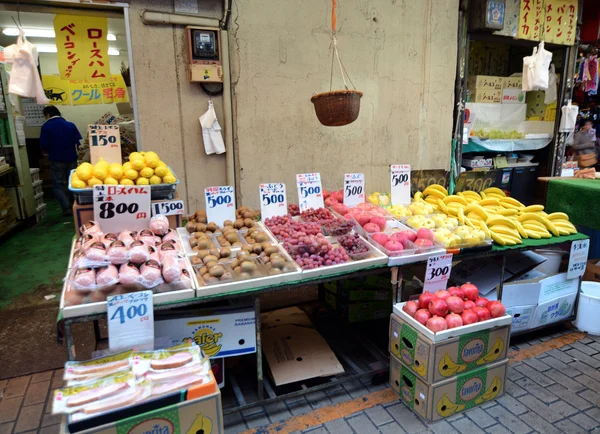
82,47
553,21
83,92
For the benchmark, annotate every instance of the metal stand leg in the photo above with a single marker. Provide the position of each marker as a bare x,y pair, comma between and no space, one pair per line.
396,284
69,340
501,286
97,332
259,370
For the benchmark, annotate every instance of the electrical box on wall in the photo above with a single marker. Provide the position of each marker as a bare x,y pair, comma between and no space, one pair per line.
204,54
486,15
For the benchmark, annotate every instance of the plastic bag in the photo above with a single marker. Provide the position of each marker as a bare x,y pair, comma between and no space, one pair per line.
551,94
568,117
541,75
159,224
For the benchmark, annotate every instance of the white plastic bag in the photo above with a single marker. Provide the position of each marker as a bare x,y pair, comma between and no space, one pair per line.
528,71
542,62
211,132
550,95
568,117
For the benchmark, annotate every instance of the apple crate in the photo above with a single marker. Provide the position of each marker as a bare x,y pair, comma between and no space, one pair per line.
436,401
438,361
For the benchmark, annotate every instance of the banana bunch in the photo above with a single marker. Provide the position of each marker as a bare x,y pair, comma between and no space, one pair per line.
432,194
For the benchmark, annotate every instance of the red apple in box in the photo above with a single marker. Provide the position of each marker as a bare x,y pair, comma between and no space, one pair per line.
371,228
325,194
379,221
482,313
392,246
469,317
330,201
381,238
425,233
421,243
340,208
422,315
424,299
364,219
338,195
410,235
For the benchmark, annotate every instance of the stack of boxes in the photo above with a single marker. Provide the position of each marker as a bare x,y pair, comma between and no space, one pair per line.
441,374
512,90
38,194
7,213
485,89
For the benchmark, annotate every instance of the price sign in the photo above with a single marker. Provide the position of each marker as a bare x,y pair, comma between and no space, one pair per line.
578,258
105,142
119,208
168,207
437,272
354,189
220,204
400,184
310,191
130,320
273,201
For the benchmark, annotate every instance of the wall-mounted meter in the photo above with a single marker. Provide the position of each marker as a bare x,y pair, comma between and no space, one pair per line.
204,54
486,15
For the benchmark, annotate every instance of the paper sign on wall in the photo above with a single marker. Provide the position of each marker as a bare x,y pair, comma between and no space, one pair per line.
220,204
578,258
400,184
130,320
354,189
120,208
310,191
168,207
83,92
437,272
105,142
273,200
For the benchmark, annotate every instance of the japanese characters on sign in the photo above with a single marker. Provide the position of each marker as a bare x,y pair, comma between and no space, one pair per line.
118,208
220,204
310,191
553,21
82,92
437,272
82,47
354,189
273,201
400,183
105,142
578,258
130,320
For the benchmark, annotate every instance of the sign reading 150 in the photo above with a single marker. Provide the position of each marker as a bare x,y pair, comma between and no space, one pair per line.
102,140
305,191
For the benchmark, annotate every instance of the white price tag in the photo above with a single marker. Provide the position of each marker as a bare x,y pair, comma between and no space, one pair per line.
273,201
400,184
354,189
168,207
120,208
105,142
310,191
130,320
578,258
437,272
220,204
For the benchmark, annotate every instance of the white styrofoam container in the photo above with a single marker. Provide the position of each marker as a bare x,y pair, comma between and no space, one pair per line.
521,316
451,333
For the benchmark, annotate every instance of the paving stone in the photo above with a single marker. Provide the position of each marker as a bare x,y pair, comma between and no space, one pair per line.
584,421
42,376
57,380
362,424
394,428
586,341
16,387
338,426
298,407
595,345
513,374
586,369
355,388
562,367
480,417
52,429
318,430
586,349
6,428
406,418
234,423
338,394
318,399
591,396
536,376
379,415
466,426
540,408
512,405
563,408
509,420
536,364
594,413
277,411
588,382
498,429
563,380
536,390
588,360
51,419
539,424
488,404
569,397
512,389
9,409
37,393
557,354
29,418
568,427
455,417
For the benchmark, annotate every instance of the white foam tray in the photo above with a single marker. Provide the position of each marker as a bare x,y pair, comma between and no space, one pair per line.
452,333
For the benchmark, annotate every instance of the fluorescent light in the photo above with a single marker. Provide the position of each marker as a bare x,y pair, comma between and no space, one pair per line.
43,33
113,52
46,48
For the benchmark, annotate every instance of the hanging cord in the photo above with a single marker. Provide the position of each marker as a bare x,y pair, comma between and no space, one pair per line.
336,54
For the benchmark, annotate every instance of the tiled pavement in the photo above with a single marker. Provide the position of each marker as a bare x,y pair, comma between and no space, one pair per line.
557,391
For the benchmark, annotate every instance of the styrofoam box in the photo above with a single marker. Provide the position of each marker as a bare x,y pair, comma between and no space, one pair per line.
451,333
555,310
539,290
521,317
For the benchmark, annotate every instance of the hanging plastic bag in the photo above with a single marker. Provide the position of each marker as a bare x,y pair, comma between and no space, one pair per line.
541,74
568,117
528,71
551,95
211,132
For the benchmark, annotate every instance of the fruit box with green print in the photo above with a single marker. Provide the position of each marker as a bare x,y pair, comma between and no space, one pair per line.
461,352
443,399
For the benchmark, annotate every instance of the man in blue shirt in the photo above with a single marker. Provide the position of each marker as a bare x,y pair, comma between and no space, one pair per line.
60,140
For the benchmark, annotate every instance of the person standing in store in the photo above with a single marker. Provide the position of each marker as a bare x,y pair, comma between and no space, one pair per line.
584,144
60,140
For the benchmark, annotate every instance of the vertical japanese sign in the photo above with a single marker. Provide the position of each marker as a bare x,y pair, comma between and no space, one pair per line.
561,19
578,258
105,142
82,47
531,19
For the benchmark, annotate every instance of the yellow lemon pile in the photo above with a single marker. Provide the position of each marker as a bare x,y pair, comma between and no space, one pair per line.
143,168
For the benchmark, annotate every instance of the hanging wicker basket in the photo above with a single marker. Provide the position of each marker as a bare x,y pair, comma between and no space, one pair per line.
338,107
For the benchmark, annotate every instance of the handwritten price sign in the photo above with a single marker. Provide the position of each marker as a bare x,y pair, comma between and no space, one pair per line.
105,142
437,272
273,201
400,183
310,191
578,258
122,207
130,320
354,189
169,207
220,204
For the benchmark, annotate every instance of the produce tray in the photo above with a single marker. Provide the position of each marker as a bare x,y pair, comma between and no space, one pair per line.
100,307
452,333
184,237
85,196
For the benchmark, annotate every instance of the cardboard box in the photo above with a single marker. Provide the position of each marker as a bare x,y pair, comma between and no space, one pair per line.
539,290
457,394
512,82
513,96
478,162
294,350
521,317
484,82
353,312
219,332
555,310
433,362
486,95
84,213
592,271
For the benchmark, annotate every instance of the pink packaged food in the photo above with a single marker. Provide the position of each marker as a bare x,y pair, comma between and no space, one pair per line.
171,270
129,274
170,235
168,249
147,236
84,279
127,238
107,276
154,254
150,274
159,224
90,227
138,252
96,252
117,253
108,239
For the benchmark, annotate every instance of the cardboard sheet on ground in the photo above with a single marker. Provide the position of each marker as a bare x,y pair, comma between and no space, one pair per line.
294,349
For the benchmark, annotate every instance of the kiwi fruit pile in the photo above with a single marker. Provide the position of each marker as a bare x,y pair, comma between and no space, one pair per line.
256,235
210,265
229,236
198,217
244,212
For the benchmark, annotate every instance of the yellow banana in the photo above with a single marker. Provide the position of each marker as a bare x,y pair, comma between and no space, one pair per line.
491,392
477,209
563,231
500,220
494,196
543,220
449,367
533,234
442,206
471,193
507,212
500,240
434,193
558,216
474,216
494,190
483,195
470,223
432,200
533,208
493,353
504,230
485,229
456,204
437,187
418,196
533,223
512,201
486,202
455,198
521,229
461,216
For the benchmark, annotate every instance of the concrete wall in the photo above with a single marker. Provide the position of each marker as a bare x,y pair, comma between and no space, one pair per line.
400,53
169,106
